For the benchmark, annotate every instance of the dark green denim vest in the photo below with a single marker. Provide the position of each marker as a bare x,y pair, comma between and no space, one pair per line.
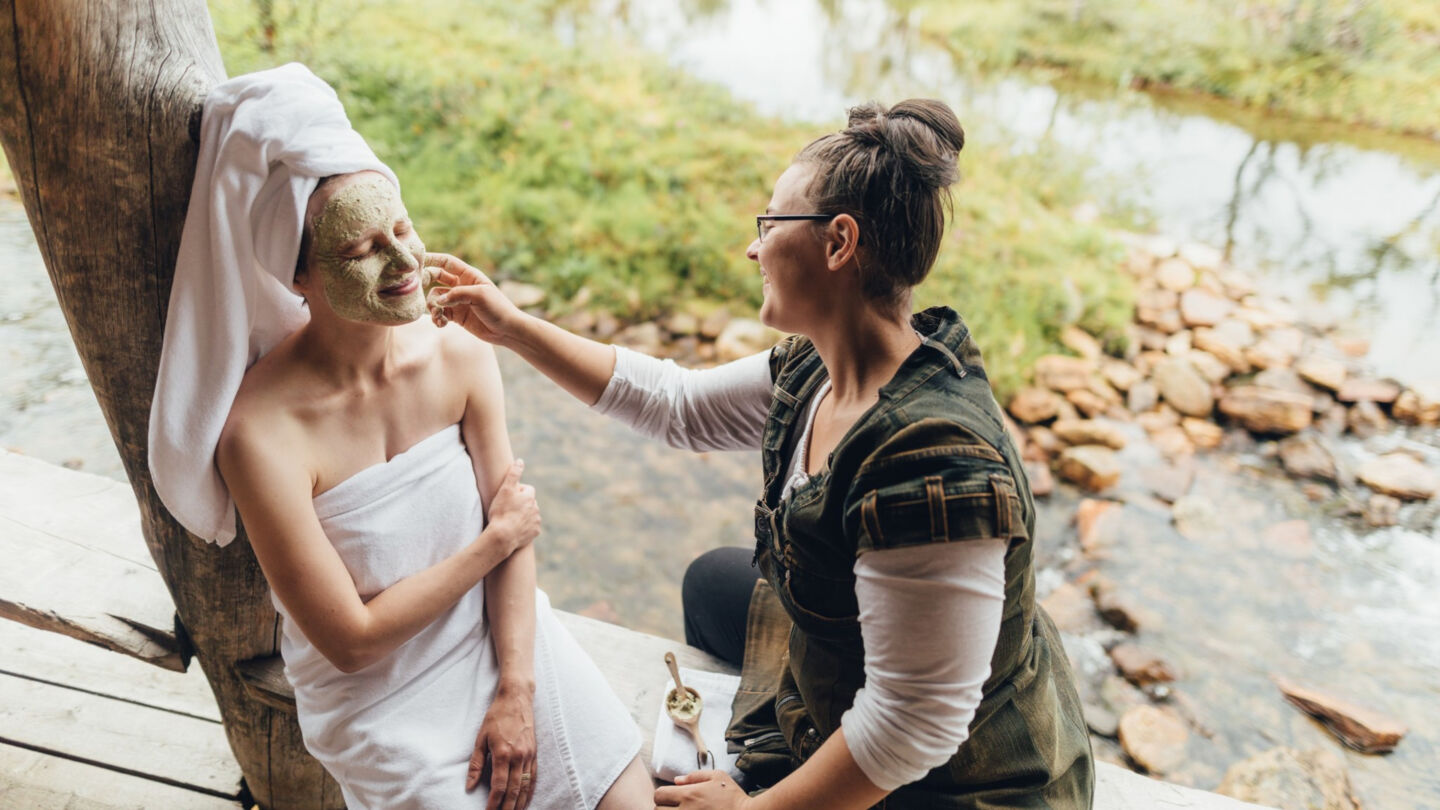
931,462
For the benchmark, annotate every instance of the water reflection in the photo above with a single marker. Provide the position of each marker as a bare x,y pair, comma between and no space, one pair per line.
1350,216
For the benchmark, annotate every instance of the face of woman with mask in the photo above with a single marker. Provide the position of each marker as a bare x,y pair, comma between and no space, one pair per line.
364,257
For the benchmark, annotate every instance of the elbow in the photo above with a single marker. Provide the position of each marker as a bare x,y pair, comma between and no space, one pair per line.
350,650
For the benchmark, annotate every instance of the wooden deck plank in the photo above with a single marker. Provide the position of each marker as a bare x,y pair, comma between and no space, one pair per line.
54,658
37,781
76,563
180,749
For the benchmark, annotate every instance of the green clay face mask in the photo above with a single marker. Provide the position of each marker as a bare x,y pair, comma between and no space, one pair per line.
366,254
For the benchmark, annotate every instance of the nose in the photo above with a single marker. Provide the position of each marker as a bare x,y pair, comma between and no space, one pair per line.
753,252
399,255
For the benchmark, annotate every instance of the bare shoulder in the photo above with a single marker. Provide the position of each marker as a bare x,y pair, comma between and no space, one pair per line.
263,433
469,360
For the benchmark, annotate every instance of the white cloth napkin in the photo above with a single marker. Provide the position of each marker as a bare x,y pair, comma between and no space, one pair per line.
674,750
266,139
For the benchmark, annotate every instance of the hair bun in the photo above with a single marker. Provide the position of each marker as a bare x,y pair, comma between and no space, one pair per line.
923,134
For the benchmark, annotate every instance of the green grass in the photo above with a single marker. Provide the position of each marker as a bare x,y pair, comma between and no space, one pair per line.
591,166
1374,63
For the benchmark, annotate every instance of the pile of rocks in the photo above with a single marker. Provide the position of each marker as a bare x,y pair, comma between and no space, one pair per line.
1207,352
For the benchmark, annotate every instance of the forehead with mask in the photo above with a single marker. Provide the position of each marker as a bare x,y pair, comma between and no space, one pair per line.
360,252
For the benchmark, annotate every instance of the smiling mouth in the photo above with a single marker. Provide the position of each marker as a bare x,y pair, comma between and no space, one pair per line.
409,285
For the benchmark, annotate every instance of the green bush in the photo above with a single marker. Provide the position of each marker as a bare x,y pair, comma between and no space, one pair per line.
587,166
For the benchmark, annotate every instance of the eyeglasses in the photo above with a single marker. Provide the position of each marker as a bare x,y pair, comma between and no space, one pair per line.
760,221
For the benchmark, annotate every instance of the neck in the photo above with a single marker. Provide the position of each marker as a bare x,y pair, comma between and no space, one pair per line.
348,353
861,348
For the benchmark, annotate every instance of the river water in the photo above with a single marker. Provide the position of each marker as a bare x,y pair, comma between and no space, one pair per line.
1343,222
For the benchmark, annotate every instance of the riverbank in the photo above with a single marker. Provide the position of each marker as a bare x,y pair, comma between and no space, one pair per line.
1373,64
1228,484
586,166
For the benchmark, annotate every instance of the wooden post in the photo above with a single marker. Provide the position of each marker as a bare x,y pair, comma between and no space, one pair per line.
99,107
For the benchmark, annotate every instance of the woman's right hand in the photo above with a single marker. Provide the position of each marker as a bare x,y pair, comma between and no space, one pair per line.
514,513
473,301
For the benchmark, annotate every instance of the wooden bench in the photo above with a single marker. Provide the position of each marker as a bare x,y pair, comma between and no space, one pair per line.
75,563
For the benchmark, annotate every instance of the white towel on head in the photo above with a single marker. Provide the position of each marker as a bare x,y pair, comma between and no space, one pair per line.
266,139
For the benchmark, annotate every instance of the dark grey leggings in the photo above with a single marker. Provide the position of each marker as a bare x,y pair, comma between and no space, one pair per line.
716,596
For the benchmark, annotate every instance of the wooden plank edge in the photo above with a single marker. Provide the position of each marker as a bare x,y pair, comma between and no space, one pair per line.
264,680
152,645
164,780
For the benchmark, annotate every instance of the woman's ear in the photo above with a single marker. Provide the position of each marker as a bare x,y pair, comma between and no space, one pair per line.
842,239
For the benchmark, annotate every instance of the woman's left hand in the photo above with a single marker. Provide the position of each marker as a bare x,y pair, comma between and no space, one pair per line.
505,748
703,790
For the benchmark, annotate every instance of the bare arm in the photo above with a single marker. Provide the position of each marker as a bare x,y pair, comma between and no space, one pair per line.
272,494
722,408
830,778
579,365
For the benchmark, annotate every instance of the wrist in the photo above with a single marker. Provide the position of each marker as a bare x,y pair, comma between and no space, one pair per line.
515,685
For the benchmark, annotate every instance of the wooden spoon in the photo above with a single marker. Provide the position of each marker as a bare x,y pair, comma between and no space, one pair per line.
686,716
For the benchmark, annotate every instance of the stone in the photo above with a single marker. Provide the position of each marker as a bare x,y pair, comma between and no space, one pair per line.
1173,442
1090,467
1032,405
1060,373
1141,666
1400,476
681,324
1360,728
743,337
1154,738
1179,344
1358,389
1212,368
1357,346
1237,285
1153,304
1203,308
521,294
1266,410
1161,417
1064,409
1045,440
1149,340
1089,431
1121,376
1181,385
1100,720
1420,405
1088,402
1304,457
1175,274
713,325
1227,350
1203,433
1089,524
580,321
1196,518
1382,510
1201,256
1042,483
1138,261
1366,419
1333,421
1142,396
1283,379
1286,779
1071,608
1325,372
1289,538
1169,482
642,337
1118,609
1079,341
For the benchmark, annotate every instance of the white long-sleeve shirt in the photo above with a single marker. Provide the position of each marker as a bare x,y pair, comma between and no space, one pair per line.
921,689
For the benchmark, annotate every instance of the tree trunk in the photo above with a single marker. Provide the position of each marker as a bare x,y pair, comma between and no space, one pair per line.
99,110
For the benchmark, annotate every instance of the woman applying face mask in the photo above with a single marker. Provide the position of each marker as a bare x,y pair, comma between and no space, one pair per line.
892,651
376,484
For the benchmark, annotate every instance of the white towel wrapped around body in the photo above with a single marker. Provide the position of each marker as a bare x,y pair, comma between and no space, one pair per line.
399,733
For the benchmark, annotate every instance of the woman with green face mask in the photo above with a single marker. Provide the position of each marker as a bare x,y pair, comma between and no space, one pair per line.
892,652
376,486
